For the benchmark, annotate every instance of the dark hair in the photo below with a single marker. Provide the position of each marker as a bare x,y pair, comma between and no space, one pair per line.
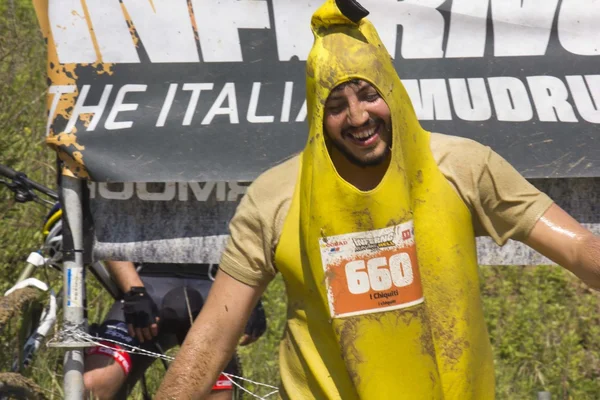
341,86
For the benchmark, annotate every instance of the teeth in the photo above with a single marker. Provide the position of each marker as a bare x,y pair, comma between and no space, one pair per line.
363,134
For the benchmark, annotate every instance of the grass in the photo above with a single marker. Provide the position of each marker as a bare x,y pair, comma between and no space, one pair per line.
544,325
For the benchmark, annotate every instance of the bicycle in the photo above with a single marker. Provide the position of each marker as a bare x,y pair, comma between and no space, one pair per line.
31,304
36,303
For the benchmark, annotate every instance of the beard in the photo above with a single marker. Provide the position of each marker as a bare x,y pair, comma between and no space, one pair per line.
361,162
367,161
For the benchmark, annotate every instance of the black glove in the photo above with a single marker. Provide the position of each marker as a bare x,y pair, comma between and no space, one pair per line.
139,309
257,323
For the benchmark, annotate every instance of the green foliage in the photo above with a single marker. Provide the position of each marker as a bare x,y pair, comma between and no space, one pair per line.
544,328
22,131
22,125
260,361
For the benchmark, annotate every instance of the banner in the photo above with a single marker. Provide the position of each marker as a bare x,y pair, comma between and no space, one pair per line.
207,90
185,222
188,222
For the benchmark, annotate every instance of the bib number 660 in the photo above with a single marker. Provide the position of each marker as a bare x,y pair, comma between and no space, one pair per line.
378,274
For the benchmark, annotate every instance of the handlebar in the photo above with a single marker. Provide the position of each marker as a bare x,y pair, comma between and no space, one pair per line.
7,172
22,185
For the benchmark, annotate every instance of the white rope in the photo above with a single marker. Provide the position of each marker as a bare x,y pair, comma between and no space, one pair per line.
77,333
187,303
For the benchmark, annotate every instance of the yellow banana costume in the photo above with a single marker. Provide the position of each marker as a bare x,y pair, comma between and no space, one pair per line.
382,285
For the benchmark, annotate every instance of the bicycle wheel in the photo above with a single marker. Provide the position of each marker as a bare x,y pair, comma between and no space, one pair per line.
19,317
18,302
16,386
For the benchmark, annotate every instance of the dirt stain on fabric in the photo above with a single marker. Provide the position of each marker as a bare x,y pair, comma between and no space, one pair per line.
453,346
420,176
363,220
418,314
348,333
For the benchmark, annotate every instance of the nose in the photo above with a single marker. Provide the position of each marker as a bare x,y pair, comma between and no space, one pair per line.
357,114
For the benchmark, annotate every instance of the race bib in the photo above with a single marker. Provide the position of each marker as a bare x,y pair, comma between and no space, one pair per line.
373,271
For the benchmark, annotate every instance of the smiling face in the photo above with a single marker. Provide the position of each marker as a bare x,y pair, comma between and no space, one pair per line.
358,123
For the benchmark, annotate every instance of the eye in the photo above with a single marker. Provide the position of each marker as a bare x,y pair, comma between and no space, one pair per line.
335,108
372,96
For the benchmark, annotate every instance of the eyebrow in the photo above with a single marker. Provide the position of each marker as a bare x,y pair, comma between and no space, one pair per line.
336,94
365,87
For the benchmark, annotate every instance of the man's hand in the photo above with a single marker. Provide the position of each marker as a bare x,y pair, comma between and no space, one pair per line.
141,314
256,326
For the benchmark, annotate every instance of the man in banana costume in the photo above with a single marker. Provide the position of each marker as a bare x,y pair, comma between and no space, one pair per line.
373,228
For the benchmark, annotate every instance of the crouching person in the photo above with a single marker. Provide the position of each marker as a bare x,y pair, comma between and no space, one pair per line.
159,304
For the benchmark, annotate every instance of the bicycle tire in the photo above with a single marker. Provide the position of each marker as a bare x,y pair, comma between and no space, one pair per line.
16,386
15,303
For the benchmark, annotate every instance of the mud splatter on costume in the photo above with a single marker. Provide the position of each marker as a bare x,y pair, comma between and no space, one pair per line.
411,233
382,286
